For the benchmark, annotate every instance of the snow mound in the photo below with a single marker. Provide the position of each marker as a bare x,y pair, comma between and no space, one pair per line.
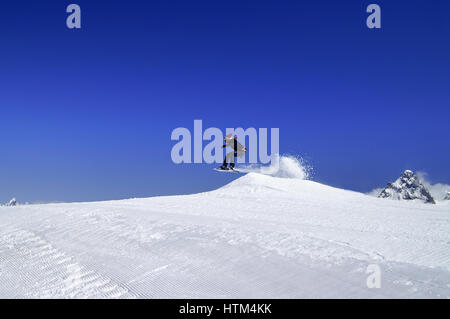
407,187
285,166
258,237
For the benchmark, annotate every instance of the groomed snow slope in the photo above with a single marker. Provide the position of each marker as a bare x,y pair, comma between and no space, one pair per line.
257,237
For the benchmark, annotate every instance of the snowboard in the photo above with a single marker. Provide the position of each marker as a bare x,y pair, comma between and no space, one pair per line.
227,170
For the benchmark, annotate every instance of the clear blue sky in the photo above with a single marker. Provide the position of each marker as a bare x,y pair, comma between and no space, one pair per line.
87,114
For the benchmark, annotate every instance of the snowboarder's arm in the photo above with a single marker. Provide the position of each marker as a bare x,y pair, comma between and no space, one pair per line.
240,146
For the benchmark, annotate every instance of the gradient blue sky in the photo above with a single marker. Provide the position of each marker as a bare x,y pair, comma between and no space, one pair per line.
87,114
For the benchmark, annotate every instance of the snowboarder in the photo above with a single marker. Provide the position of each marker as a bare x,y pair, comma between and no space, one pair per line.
230,157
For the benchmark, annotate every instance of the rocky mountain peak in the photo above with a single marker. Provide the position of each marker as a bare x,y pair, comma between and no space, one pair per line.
407,187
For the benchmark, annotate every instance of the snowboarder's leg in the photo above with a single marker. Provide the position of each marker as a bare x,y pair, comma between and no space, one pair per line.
233,160
228,159
224,165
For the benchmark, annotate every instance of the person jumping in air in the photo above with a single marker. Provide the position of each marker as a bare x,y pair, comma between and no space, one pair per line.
230,157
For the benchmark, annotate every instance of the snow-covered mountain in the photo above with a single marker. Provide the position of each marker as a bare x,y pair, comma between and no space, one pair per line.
447,197
407,187
12,202
259,236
